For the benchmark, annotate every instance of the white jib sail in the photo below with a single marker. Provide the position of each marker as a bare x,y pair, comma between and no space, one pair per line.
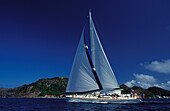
81,77
100,61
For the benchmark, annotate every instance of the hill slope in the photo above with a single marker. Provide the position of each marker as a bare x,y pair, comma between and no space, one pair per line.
53,86
150,92
159,91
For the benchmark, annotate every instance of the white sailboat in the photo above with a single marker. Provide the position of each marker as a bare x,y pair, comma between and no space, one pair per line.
91,72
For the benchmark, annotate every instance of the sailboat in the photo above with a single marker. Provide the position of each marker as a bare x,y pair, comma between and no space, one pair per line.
91,76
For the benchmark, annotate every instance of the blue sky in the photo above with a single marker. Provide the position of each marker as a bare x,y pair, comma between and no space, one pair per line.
38,39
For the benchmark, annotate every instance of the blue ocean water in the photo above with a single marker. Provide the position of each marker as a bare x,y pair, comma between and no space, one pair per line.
42,104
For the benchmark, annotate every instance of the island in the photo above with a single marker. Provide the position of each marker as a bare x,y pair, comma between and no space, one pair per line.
55,88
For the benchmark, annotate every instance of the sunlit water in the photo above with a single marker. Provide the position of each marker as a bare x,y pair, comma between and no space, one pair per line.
33,104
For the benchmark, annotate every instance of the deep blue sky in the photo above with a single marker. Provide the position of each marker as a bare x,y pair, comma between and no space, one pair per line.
38,38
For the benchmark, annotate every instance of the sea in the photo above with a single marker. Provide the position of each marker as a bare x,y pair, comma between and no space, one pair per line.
45,104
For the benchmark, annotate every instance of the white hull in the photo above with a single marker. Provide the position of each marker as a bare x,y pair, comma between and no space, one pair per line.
103,100
100,98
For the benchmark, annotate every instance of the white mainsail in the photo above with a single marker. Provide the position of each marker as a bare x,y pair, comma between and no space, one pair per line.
81,77
91,74
100,61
